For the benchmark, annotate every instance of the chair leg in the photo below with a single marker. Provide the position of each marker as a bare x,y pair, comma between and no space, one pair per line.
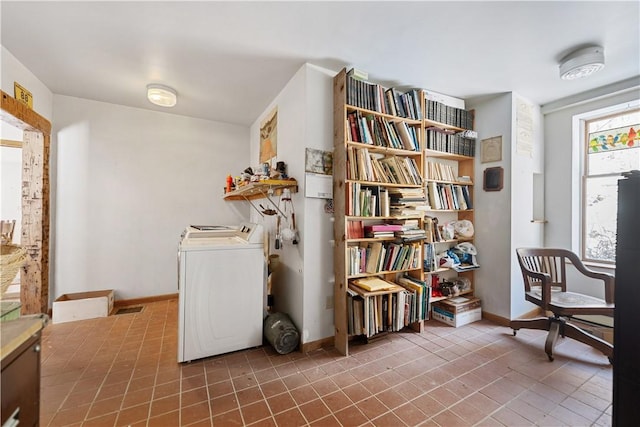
581,335
554,331
541,323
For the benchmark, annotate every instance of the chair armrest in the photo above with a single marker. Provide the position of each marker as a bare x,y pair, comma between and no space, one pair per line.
608,279
545,284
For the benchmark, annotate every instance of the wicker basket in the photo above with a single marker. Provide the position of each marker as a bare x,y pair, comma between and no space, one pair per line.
12,259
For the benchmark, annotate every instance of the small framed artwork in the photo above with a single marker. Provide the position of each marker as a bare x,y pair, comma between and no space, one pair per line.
493,179
491,149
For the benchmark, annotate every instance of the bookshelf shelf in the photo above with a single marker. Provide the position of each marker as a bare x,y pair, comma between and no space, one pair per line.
378,273
442,181
439,125
383,184
444,155
386,116
384,150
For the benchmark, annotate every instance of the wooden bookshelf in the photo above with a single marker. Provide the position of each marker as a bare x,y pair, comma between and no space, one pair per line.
444,168
347,142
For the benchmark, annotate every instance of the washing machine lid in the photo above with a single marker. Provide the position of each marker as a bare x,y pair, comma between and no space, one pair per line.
222,236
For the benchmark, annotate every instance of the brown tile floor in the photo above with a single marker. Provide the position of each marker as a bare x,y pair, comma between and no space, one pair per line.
122,370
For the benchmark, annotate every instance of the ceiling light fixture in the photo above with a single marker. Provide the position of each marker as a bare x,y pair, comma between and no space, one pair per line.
582,63
161,95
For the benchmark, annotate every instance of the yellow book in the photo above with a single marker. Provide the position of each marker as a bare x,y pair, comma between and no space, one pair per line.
374,284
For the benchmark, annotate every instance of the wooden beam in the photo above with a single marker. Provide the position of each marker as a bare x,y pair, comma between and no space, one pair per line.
21,116
34,278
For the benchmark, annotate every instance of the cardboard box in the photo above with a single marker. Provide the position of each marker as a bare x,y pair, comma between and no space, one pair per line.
82,305
457,311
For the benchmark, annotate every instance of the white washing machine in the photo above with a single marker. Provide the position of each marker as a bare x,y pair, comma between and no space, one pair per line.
221,280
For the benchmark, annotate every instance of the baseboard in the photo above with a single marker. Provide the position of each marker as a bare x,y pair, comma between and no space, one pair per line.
314,345
144,300
502,321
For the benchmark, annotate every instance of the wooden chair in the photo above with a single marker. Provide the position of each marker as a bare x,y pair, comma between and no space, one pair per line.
545,284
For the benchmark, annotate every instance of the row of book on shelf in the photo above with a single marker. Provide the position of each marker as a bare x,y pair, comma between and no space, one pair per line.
374,257
382,132
379,201
449,196
448,142
375,97
442,113
365,166
444,172
404,303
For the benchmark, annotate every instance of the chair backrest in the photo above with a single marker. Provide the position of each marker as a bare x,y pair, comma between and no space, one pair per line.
544,260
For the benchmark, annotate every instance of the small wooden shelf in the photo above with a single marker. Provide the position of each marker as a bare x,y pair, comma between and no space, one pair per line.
262,189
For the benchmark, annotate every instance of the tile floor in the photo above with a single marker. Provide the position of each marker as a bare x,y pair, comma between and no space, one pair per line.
122,370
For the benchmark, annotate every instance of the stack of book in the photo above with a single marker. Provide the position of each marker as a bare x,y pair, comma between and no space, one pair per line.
407,201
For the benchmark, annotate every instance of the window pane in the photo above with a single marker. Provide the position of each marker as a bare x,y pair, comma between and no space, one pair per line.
614,161
601,202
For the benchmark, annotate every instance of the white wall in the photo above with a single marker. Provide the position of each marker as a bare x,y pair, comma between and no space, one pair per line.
126,183
304,281
14,71
493,117
503,218
524,233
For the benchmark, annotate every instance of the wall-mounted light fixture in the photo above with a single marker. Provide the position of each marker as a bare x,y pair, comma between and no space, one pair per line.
582,63
161,95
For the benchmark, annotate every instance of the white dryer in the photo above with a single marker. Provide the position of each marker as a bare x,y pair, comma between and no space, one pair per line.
221,279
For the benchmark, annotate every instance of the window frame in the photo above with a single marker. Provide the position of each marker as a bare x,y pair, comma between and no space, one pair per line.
585,120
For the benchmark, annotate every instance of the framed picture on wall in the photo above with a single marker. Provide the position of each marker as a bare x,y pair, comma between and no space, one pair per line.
491,149
269,137
493,179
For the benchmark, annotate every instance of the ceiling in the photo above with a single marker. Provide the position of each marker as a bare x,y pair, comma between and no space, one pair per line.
229,60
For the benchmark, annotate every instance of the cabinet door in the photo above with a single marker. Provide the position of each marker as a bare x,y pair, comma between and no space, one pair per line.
21,383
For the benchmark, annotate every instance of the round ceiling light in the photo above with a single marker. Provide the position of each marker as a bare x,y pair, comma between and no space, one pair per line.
582,63
161,95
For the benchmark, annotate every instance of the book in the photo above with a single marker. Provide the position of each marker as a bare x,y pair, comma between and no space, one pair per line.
374,284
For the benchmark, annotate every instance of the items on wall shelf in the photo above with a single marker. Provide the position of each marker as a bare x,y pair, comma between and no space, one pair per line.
263,190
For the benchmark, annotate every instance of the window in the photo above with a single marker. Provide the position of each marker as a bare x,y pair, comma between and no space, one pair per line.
612,148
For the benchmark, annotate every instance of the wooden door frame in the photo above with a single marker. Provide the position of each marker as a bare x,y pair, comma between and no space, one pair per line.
34,277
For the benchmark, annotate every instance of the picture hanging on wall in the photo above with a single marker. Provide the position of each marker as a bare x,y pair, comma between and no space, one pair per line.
491,149
269,137
493,179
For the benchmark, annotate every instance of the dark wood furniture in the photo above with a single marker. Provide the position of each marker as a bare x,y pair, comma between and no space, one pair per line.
626,373
21,371
545,284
